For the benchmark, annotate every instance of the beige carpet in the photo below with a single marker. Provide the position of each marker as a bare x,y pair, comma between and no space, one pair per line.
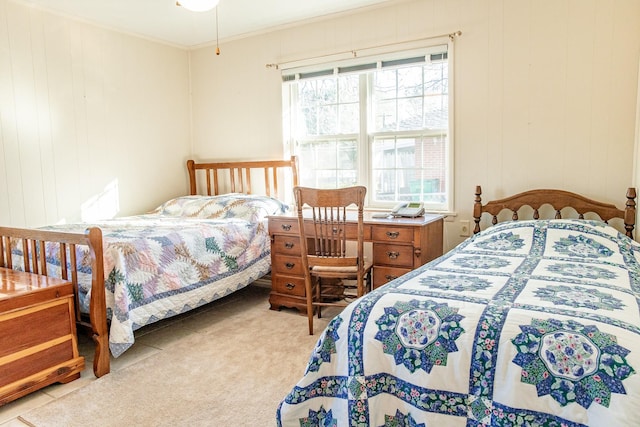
234,372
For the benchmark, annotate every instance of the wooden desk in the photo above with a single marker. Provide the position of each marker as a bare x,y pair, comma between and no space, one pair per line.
38,338
399,246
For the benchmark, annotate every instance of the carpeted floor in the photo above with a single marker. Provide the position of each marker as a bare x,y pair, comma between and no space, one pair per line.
233,372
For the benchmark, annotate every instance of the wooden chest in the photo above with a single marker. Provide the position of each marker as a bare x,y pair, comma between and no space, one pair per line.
38,341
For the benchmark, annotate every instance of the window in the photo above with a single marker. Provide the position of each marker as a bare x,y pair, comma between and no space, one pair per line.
383,124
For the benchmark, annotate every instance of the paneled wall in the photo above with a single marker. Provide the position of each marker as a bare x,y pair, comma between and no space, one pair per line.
545,91
93,123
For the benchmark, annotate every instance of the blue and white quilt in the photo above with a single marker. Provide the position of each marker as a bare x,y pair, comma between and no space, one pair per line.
529,323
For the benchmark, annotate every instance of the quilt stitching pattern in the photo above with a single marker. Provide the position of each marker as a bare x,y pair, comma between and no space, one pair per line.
519,270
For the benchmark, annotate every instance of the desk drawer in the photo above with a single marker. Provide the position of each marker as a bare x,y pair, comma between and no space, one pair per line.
291,265
289,285
392,234
393,255
286,245
383,275
284,225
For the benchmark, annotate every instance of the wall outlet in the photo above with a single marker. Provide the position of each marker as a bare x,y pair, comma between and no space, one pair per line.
465,228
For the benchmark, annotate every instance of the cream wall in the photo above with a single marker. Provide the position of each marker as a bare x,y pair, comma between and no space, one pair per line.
92,122
545,96
545,91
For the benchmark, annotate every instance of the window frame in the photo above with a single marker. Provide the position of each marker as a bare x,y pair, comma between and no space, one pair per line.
366,135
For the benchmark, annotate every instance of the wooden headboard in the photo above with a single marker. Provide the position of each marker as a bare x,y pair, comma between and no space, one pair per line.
558,200
237,175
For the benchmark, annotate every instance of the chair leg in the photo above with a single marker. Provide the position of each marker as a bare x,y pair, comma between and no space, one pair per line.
319,296
309,293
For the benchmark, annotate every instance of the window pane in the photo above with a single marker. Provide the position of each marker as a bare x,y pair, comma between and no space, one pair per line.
410,113
348,155
328,106
327,91
384,185
436,79
308,121
328,120
346,179
349,118
384,84
385,115
383,153
325,155
436,109
325,179
349,88
307,92
418,174
329,164
399,99
410,81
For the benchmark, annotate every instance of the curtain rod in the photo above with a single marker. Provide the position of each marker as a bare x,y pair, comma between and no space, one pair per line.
354,52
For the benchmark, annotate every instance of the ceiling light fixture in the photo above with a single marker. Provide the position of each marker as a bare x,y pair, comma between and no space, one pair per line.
198,5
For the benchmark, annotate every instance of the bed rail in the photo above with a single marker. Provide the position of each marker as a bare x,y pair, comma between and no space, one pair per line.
237,175
558,200
32,243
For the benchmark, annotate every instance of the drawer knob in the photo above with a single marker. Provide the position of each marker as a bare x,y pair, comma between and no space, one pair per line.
288,245
393,255
286,227
390,277
289,265
393,234
290,286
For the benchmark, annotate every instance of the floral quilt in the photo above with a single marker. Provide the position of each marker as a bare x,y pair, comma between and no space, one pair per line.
529,323
186,253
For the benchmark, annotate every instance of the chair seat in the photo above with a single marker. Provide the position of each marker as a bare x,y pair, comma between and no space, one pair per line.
320,270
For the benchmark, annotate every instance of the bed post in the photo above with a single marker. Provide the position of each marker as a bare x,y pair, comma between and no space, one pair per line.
98,305
630,212
191,167
477,210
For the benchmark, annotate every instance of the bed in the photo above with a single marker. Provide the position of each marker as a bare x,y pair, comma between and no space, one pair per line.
531,322
187,252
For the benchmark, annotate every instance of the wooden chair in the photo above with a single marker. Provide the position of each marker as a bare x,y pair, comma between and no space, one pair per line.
324,232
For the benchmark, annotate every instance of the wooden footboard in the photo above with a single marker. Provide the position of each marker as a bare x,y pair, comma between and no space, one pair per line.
31,242
558,200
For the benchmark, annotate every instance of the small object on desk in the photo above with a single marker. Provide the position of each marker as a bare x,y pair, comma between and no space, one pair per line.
381,215
409,209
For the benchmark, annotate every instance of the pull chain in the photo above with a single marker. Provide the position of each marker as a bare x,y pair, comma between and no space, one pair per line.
217,37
